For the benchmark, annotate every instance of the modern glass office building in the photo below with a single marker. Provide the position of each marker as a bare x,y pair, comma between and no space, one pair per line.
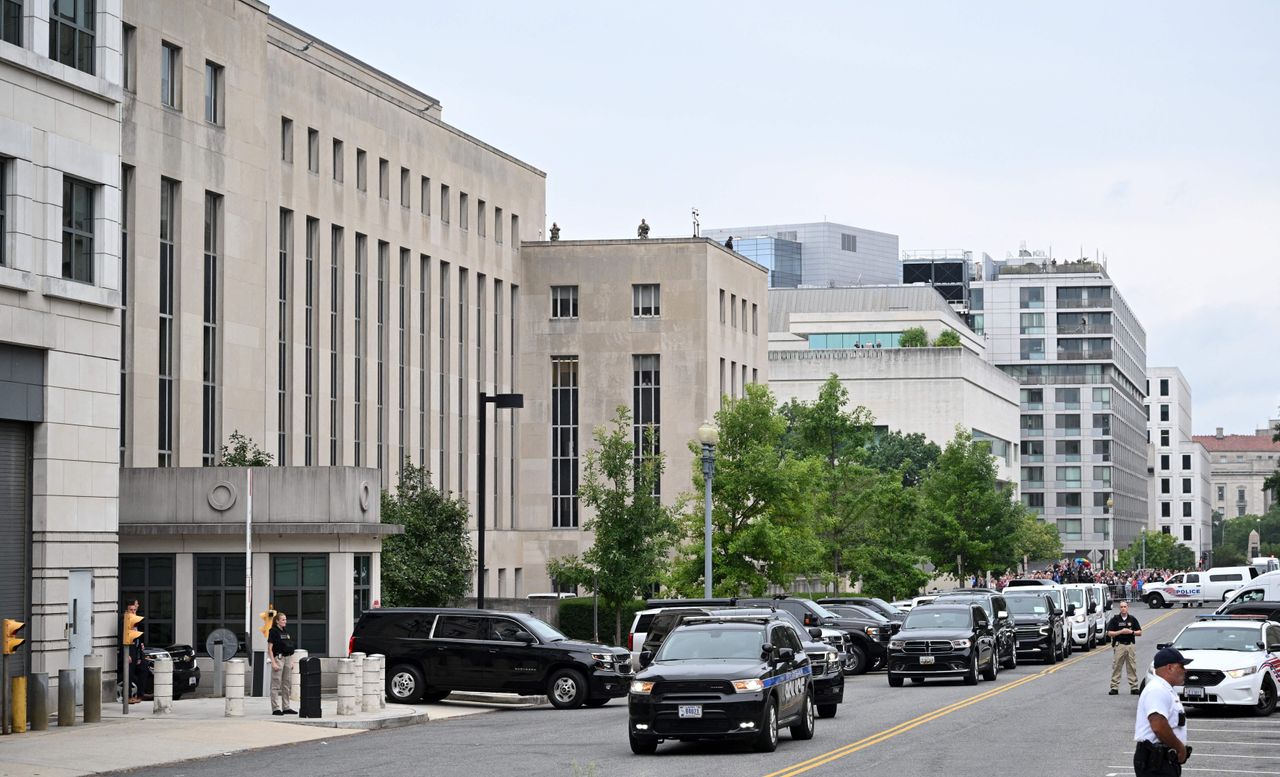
817,254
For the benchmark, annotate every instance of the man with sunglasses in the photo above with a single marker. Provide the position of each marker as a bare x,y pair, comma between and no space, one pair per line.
1160,728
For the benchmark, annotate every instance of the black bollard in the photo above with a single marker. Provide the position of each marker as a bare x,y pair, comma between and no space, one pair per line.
309,679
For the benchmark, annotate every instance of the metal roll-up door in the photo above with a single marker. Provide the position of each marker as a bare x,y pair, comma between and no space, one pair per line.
15,532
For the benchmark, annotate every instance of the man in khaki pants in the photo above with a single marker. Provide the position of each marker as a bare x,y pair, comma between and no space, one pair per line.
1123,629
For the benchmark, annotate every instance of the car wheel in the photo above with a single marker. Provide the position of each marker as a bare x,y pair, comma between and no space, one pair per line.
767,740
643,745
596,702
803,728
894,680
405,684
993,668
567,689
1012,663
827,710
971,676
857,663
1155,601
1093,641
1054,653
1266,699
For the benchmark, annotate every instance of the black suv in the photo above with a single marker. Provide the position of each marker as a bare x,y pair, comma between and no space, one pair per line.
868,636
1038,624
433,651
944,640
997,610
875,604
723,678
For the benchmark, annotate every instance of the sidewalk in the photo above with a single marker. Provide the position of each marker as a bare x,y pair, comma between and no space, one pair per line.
197,728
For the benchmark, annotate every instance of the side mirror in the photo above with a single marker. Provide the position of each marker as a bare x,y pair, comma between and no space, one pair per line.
1071,610
1002,614
786,654
646,657
766,652
808,619
1161,645
816,633
525,637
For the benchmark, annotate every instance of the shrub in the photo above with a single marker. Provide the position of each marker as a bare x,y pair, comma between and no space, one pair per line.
575,618
915,337
947,339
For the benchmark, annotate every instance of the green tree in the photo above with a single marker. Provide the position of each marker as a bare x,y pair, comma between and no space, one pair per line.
967,515
430,564
913,337
241,451
947,339
1036,540
1162,552
1235,536
879,521
762,505
911,454
634,532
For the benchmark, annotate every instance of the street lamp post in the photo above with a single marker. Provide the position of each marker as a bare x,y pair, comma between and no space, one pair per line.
499,401
709,436
1111,532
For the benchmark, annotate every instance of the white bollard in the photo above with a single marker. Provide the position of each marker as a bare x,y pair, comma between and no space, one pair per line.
382,682
372,691
347,698
233,687
357,670
162,686
295,678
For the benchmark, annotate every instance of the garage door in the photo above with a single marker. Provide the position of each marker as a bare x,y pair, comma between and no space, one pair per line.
15,529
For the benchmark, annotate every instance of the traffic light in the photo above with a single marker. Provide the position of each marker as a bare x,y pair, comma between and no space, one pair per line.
128,633
11,638
268,617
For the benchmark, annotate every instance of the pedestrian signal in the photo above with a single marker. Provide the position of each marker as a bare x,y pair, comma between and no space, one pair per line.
127,631
11,638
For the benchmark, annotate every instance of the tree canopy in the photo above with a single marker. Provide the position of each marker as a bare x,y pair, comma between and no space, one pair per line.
430,564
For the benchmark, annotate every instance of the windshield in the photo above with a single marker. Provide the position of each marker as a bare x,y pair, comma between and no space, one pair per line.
820,611
1220,638
542,630
707,644
885,607
937,619
857,611
1075,596
1028,605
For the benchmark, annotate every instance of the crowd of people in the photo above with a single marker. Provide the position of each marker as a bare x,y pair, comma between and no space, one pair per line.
1124,583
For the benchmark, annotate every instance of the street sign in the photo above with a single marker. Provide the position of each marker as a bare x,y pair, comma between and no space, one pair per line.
230,645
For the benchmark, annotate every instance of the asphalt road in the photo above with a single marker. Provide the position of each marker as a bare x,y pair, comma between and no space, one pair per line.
1035,719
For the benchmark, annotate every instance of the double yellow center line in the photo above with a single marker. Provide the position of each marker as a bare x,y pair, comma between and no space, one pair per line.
902,728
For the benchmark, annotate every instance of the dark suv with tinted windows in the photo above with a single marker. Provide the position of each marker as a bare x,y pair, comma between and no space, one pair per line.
944,640
1038,624
997,610
868,636
433,651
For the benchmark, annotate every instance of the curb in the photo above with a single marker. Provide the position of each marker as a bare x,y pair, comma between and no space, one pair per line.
499,700
376,724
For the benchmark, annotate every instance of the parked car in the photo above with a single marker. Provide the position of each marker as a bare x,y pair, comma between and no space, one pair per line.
872,603
1038,623
997,610
907,604
1268,610
1082,617
1235,661
944,640
431,652
186,673
723,678
868,637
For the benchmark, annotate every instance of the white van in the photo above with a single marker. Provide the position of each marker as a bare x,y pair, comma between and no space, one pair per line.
1084,621
1219,582
1263,588
1265,564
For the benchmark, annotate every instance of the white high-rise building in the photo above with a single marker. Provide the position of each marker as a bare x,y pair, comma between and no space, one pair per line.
1178,490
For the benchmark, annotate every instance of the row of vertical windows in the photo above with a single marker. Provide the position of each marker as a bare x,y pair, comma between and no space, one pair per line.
733,308
171,70
168,265
564,442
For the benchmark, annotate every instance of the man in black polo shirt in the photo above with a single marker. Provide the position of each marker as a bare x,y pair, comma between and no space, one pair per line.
1123,629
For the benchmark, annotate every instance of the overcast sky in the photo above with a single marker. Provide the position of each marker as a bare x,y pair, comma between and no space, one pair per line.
1149,131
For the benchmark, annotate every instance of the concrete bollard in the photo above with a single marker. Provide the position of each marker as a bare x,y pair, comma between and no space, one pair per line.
357,670
38,701
162,686
371,689
291,666
66,697
18,703
92,693
346,687
382,682
233,687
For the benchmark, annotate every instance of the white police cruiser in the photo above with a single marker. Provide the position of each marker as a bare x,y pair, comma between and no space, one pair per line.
1235,660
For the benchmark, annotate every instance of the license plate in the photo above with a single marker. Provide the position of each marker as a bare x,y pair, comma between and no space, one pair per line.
926,660
191,681
1194,692
690,710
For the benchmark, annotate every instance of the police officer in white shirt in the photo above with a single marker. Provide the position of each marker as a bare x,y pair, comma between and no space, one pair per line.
1160,729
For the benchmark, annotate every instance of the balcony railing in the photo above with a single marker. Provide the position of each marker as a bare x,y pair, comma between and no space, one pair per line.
1077,302
1096,329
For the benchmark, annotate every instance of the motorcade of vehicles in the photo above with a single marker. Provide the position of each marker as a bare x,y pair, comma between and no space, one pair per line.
717,677
873,603
1082,609
945,640
1235,661
868,637
432,651
1055,593
1264,587
997,610
186,673
1040,624
830,635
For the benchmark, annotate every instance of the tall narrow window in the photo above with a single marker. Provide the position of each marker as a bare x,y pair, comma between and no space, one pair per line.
498,419
335,345
128,50
403,367
462,382
282,337
645,302
168,265
309,343
380,400
384,184
515,232
425,204
209,359
77,229
442,384
497,225
71,32
313,151
213,92
444,203
286,139
646,410
126,323
564,442
424,332
512,350
464,213
171,76
404,187
338,160
362,170
4,223
480,217
362,251
755,321
11,21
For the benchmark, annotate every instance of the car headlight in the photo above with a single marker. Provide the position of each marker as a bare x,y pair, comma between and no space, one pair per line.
1243,672
832,656
748,686
641,686
897,644
960,643
1044,629
1079,619
872,631
604,658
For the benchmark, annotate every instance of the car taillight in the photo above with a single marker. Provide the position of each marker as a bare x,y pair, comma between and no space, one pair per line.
351,644
630,639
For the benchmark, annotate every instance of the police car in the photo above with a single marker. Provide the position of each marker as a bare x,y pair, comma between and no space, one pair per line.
1235,660
723,677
